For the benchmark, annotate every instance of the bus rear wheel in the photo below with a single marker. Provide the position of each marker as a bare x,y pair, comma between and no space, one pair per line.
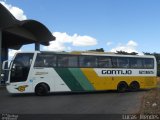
134,86
122,87
41,89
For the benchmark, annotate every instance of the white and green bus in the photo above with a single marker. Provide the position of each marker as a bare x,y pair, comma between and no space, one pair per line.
44,72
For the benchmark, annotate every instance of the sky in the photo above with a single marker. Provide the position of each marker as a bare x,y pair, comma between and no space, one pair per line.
127,25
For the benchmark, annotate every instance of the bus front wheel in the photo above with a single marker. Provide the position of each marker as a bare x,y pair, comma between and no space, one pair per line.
42,89
134,86
122,87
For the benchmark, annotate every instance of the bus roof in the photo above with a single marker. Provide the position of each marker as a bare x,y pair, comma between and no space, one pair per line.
96,53
91,53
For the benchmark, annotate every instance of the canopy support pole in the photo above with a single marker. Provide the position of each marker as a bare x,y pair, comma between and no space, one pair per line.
0,54
37,46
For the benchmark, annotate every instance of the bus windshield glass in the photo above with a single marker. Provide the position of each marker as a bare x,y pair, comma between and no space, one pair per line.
20,67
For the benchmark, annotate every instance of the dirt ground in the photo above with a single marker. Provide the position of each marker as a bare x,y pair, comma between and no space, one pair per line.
151,101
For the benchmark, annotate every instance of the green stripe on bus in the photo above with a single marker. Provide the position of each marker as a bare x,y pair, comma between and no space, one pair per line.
69,79
80,77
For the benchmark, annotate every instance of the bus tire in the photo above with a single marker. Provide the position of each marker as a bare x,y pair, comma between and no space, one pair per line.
122,87
42,89
134,86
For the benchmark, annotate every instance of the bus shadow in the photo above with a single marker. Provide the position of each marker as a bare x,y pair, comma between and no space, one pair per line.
75,93
94,92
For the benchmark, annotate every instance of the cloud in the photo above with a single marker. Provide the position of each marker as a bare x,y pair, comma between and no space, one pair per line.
83,41
131,46
56,46
64,42
132,43
16,12
109,43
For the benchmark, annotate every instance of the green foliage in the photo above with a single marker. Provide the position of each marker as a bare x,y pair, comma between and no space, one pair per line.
126,53
98,50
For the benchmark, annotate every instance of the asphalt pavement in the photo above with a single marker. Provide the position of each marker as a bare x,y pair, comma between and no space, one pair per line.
108,102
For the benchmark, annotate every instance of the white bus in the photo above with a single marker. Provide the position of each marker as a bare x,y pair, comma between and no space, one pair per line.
44,72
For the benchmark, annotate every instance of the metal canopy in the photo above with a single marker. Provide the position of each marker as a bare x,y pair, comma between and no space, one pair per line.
15,33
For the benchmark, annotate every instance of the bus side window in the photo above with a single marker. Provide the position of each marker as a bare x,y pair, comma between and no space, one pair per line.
104,62
123,62
136,63
88,61
62,61
148,63
39,61
72,61
45,60
133,62
50,61
114,62
140,63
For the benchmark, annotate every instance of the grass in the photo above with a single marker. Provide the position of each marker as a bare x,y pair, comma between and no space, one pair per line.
151,101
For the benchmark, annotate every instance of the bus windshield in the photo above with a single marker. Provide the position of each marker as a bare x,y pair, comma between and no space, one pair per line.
20,67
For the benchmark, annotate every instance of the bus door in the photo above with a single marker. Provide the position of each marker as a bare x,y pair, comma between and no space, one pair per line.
19,72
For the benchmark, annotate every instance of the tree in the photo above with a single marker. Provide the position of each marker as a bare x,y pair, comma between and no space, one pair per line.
126,53
98,50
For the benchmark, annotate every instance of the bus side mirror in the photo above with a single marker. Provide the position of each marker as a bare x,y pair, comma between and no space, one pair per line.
5,65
